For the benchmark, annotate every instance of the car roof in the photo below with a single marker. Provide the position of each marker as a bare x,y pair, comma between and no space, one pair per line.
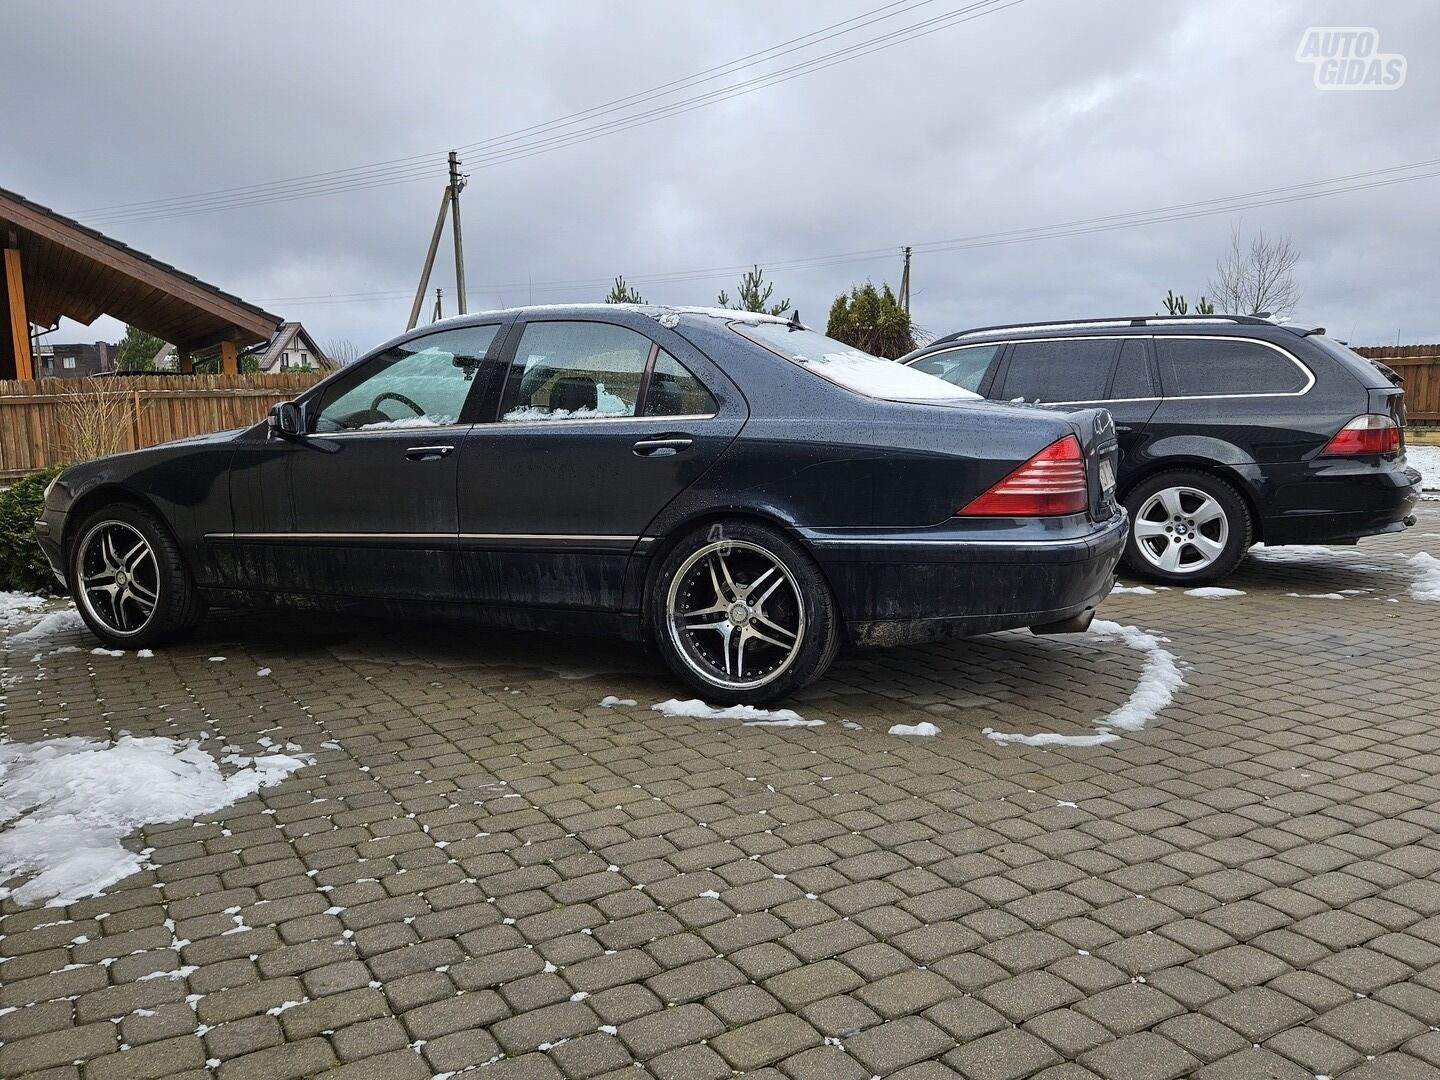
1240,325
660,312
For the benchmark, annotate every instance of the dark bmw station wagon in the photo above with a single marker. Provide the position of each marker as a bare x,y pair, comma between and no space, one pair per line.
1233,429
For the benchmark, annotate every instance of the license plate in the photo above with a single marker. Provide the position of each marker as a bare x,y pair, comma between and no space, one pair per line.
1107,477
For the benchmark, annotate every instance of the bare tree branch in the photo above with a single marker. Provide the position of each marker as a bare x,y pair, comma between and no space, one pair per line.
1258,279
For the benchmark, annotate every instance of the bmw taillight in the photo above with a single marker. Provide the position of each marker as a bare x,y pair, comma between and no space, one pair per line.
1050,483
1368,434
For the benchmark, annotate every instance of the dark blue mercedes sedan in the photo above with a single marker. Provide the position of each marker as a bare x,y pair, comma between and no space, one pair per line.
740,490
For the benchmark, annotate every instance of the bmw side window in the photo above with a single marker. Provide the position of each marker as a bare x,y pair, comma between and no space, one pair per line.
960,367
1062,370
575,371
673,391
1191,367
1132,373
422,383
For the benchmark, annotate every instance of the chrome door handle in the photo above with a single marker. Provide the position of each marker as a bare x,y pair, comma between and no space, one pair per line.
662,445
1123,429
428,453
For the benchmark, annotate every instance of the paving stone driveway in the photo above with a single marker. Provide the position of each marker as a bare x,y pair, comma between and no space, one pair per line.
486,870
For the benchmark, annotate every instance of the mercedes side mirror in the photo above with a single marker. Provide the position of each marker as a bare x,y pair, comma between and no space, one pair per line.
285,420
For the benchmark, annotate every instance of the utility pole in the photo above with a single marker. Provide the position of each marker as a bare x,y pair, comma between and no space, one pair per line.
905,282
457,185
429,259
437,314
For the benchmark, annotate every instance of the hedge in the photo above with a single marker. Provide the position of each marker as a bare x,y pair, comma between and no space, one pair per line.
23,567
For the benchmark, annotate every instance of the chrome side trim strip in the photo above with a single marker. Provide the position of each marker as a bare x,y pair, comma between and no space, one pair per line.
261,536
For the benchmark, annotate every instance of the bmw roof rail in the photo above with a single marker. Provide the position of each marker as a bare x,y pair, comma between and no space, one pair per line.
1263,318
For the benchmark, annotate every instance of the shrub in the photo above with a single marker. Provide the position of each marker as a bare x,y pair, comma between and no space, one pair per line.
871,320
23,567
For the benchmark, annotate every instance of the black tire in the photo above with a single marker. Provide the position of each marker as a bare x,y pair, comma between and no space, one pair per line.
177,606
1161,525
788,631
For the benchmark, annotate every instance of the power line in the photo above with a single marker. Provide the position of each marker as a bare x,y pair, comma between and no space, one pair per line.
404,172
1292,193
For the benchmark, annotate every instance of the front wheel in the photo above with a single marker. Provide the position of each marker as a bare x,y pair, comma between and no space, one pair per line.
1186,528
742,614
128,579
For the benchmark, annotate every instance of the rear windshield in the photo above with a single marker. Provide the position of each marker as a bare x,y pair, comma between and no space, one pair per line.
849,367
1363,369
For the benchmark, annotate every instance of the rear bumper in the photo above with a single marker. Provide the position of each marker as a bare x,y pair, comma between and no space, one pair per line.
49,528
1340,502
897,588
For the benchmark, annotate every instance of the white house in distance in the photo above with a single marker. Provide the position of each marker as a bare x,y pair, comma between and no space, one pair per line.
291,349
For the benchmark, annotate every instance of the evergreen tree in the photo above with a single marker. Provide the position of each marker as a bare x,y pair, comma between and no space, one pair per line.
753,294
871,320
623,293
137,350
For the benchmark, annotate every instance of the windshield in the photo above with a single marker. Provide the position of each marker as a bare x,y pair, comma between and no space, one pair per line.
851,368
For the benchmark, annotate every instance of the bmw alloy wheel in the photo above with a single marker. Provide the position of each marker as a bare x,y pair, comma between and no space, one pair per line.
735,614
119,577
1181,530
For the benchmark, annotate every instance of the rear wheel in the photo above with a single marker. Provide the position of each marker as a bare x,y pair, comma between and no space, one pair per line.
1186,528
742,615
128,579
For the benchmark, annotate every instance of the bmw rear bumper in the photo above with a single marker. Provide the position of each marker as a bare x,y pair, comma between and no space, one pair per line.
1339,502
897,587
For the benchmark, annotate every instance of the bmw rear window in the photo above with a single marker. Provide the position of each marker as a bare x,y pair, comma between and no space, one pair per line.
849,367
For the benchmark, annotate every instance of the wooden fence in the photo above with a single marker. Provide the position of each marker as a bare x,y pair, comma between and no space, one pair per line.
46,422
1419,366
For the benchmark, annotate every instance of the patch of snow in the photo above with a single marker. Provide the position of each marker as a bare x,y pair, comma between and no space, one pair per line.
107,652
609,701
15,606
408,422
1136,590
66,804
1316,596
1426,585
544,412
1159,679
1214,593
1426,461
264,672
924,728
55,623
217,659
145,654
752,717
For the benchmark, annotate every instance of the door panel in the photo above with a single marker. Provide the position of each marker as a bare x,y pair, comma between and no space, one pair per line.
364,505
597,436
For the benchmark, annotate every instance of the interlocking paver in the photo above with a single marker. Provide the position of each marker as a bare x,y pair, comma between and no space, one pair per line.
436,893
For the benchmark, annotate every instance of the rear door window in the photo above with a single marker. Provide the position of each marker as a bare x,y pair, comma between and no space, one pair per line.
1133,378
960,367
1059,370
1191,367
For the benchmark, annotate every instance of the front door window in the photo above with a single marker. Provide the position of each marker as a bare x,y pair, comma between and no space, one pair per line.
421,383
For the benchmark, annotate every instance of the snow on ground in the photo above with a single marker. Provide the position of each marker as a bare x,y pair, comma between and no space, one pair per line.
57,622
17,606
610,701
1316,595
66,804
1426,585
1214,593
1136,590
753,717
924,728
1159,679
1426,460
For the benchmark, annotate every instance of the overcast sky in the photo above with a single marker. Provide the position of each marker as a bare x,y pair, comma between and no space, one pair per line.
1039,113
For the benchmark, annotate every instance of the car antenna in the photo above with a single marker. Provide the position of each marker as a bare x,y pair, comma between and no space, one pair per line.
794,323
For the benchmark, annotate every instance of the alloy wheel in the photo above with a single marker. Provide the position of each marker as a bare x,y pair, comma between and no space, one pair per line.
119,577
735,614
1181,530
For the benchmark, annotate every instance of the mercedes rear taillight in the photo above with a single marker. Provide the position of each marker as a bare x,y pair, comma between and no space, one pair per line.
1049,484
1368,434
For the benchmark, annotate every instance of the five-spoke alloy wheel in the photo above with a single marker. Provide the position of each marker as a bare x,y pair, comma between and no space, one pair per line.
128,579
742,614
1186,527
